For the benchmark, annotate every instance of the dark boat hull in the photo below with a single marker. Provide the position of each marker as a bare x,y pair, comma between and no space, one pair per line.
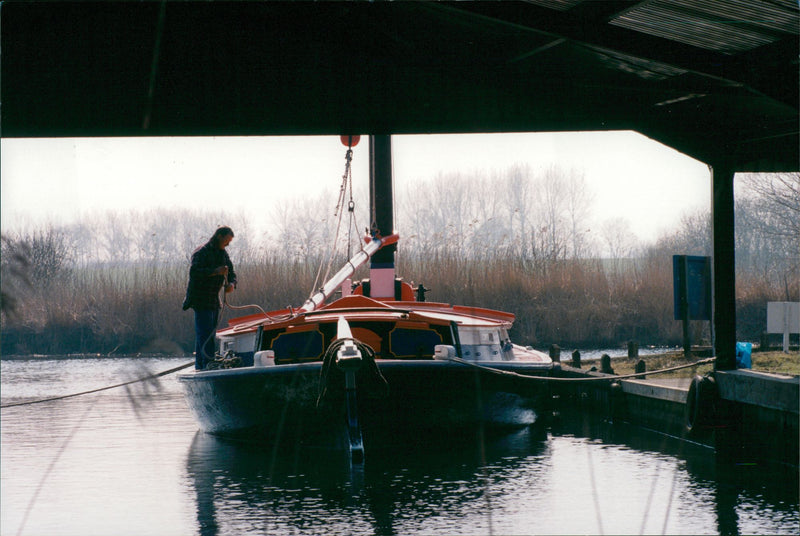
284,402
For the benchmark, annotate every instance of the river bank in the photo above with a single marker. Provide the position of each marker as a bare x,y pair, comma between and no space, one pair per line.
775,362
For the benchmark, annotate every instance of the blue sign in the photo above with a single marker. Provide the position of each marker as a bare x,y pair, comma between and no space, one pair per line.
691,279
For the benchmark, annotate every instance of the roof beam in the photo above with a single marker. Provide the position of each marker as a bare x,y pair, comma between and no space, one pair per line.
582,24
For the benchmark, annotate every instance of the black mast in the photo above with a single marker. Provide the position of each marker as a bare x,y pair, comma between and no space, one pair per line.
381,204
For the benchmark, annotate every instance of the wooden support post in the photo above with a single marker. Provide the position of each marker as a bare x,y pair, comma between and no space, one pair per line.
684,306
724,264
640,368
555,353
605,364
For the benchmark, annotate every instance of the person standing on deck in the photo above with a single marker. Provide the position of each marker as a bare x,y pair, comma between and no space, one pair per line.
211,269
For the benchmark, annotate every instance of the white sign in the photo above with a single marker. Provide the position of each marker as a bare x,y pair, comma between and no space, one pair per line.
783,317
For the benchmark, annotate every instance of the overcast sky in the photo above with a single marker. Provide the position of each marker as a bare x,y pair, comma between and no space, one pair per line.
59,180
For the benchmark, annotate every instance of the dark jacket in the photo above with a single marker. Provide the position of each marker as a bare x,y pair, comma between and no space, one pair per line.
203,289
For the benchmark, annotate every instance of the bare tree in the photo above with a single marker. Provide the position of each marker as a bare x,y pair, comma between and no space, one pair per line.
114,237
14,274
304,230
578,204
517,187
768,229
778,194
619,240
473,216
50,255
550,234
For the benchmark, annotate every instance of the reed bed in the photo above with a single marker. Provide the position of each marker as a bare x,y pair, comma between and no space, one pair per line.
136,307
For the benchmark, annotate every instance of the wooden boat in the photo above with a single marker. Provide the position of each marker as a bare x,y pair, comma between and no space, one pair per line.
377,363
329,372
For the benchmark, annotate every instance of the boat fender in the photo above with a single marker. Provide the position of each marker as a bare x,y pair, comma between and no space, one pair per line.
616,401
444,352
264,358
700,404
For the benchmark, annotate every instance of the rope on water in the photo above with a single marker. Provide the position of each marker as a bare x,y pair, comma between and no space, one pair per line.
150,377
592,379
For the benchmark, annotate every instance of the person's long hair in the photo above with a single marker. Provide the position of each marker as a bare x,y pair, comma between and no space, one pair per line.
219,234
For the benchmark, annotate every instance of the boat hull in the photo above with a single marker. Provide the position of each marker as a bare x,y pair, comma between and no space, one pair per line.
284,402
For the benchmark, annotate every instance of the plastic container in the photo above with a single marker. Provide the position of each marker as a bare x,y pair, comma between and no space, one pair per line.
743,355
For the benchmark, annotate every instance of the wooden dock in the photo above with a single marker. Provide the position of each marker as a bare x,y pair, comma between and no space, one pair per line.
741,413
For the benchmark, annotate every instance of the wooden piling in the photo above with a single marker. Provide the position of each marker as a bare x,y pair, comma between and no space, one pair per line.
555,353
576,359
605,364
641,367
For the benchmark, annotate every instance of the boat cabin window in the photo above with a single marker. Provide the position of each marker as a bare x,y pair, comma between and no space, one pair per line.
389,340
482,343
414,343
294,347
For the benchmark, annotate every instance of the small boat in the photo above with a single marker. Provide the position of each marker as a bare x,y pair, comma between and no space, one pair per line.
370,365
332,373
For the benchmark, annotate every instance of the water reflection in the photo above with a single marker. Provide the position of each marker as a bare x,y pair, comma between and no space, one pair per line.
156,475
311,490
513,484
735,487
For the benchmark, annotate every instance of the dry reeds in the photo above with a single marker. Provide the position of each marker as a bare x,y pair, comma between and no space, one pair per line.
133,308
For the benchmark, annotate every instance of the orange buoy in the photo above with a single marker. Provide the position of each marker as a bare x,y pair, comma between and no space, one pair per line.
350,141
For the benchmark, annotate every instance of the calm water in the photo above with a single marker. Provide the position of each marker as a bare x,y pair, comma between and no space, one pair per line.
132,462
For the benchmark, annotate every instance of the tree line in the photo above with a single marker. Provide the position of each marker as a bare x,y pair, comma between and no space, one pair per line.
515,240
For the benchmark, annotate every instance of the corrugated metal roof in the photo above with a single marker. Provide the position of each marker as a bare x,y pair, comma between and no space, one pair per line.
643,68
560,5
726,26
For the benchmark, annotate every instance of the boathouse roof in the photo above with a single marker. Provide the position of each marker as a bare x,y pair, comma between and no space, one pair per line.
717,79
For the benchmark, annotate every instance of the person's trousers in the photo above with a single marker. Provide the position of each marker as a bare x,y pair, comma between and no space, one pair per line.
205,326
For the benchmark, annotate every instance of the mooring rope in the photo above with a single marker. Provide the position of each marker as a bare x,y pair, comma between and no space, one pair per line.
151,376
592,379
329,359
227,305
453,359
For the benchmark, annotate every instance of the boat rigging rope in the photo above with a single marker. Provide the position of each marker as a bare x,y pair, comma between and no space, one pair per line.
149,377
592,379
337,213
345,190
